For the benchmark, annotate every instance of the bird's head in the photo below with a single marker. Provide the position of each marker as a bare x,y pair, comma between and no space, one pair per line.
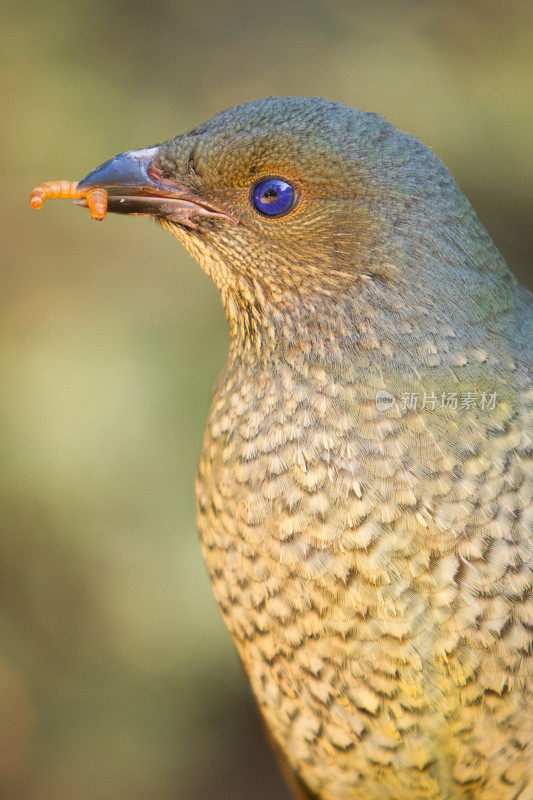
292,203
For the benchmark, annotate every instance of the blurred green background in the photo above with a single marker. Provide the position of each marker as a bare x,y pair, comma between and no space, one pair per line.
117,677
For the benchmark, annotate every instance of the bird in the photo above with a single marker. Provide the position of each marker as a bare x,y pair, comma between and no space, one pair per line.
364,489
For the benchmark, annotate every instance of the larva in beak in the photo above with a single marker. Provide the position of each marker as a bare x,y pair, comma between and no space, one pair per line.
96,198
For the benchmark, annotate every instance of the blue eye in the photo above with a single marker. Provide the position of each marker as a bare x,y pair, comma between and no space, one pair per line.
273,196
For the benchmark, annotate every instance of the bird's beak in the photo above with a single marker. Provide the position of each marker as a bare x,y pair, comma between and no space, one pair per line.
136,185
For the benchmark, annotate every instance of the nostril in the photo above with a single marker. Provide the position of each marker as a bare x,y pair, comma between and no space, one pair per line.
157,175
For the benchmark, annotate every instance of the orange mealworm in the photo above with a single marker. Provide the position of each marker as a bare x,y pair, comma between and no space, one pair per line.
97,202
96,198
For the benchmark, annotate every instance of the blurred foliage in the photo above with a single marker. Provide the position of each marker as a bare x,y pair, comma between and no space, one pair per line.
117,677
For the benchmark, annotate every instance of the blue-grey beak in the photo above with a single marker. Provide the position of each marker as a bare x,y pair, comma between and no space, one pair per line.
136,185
127,170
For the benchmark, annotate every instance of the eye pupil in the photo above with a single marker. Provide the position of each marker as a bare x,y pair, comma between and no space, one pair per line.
273,196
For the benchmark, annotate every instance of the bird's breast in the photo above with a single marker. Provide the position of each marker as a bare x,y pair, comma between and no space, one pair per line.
357,556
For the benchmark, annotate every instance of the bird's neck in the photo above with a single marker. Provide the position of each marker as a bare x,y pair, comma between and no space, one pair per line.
369,328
